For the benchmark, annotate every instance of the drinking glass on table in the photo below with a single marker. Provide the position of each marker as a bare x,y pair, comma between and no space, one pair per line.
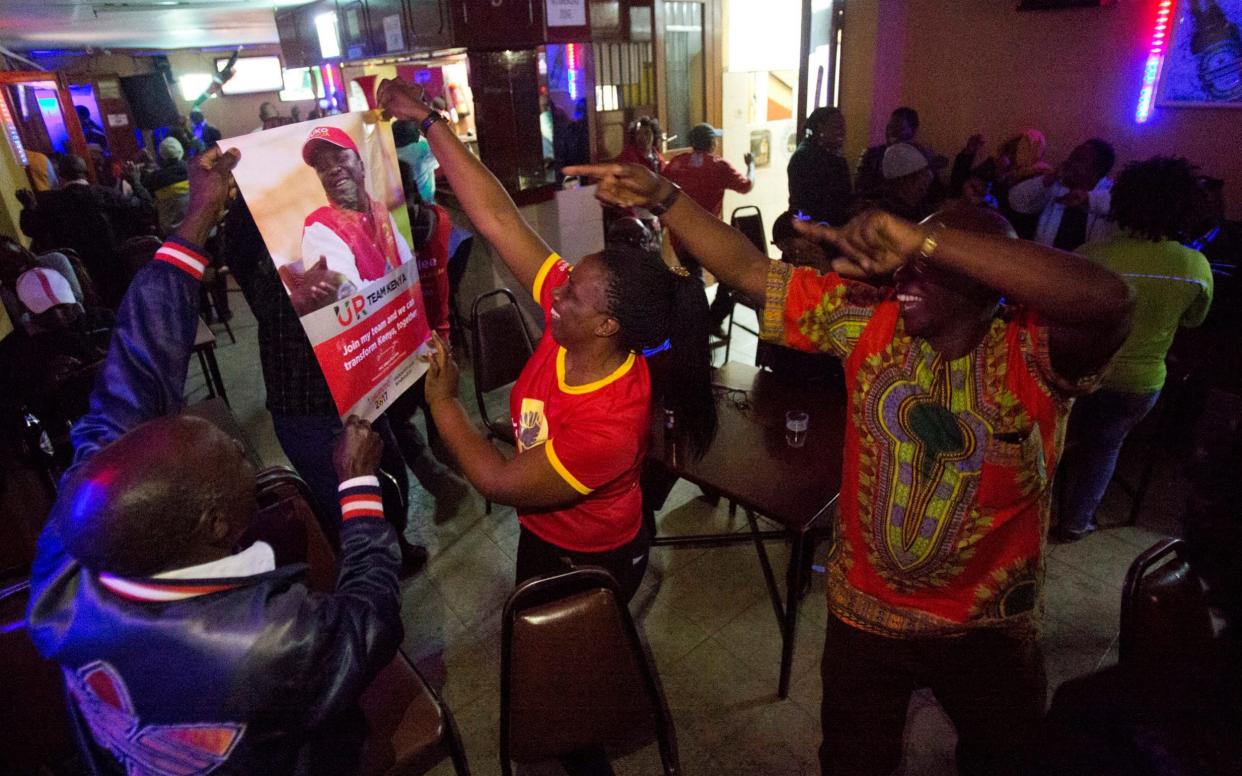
796,423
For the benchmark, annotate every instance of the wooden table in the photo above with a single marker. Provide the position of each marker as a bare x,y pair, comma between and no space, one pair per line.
205,349
750,463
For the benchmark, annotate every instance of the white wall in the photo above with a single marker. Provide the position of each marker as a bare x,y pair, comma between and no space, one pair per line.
761,36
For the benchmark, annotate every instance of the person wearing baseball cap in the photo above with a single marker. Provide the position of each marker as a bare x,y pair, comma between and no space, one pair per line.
354,236
705,177
48,297
50,365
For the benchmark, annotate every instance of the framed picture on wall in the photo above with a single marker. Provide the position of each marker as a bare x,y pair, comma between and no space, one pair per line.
1203,63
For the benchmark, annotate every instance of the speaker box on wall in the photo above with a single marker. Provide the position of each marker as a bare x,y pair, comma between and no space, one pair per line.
150,100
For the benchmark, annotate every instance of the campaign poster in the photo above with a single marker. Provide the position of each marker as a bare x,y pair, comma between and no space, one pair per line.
327,198
1203,64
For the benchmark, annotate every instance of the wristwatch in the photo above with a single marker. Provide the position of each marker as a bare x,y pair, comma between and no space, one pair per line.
663,205
432,118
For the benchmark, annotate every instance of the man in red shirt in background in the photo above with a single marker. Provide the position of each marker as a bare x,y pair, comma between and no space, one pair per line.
704,176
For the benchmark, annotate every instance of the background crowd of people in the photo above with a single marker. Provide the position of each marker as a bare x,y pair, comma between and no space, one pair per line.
1012,360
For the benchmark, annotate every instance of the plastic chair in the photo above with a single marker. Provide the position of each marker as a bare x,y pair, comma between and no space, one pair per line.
501,347
1165,619
750,224
574,675
35,729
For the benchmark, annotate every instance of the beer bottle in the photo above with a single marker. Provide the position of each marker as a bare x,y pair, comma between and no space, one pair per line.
1217,47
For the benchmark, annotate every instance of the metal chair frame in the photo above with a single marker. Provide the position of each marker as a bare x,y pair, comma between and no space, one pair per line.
477,350
738,298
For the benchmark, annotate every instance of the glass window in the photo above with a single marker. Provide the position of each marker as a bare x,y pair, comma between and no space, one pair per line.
685,70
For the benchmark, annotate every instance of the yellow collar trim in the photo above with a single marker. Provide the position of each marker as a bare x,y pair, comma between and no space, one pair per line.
536,289
617,374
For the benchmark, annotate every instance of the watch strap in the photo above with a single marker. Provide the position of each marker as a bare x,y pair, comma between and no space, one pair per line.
663,205
432,118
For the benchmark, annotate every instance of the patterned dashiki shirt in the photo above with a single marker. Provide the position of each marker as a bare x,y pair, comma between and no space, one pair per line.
946,486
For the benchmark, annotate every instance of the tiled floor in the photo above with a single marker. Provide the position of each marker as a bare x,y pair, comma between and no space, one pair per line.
705,614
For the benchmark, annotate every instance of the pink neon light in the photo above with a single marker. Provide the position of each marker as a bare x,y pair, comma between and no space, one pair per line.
1155,59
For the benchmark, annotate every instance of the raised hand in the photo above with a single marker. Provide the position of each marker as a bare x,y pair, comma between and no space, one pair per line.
624,185
402,100
211,180
315,288
358,450
873,244
211,185
442,373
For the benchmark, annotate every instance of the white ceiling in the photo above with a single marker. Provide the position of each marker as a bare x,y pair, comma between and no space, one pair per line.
141,24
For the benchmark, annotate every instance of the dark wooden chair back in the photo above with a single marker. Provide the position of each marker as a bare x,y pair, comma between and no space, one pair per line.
410,730
288,522
574,674
1165,620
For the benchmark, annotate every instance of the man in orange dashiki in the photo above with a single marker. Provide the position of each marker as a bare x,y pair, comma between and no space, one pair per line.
957,409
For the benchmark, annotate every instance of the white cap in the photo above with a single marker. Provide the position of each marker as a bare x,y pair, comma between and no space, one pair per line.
902,159
42,289
171,150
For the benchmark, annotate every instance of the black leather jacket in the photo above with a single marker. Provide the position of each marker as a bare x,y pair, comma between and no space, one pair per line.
254,675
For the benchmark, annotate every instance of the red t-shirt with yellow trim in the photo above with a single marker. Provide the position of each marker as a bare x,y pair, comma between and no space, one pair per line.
948,464
594,435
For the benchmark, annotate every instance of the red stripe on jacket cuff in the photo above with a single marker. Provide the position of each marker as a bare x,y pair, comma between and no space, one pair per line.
182,257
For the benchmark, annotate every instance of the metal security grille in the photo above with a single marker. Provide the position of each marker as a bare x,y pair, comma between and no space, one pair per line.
624,75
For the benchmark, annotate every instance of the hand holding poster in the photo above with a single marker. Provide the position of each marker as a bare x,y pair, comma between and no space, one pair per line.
327,198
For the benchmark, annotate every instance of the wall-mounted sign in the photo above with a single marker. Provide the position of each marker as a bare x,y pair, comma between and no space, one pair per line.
394,39
566,13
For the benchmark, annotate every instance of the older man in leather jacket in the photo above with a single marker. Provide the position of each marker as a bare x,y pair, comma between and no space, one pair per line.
183,652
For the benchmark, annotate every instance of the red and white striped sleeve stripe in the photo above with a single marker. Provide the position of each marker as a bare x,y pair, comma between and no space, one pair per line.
183,257
361,497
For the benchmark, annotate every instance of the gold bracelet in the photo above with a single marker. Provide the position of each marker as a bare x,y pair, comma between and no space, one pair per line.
928,246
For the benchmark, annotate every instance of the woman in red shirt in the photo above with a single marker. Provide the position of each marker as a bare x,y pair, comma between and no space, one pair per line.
582,405
642,139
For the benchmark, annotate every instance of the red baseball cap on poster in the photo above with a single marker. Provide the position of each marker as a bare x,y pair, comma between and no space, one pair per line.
332,135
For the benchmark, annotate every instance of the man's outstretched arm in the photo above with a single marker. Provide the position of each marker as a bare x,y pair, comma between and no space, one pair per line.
1087,308
725,251
143,376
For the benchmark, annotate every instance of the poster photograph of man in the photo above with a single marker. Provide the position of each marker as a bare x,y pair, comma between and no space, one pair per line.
328,201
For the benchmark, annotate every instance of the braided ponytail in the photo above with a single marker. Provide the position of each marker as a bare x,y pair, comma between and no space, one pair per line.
661,309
